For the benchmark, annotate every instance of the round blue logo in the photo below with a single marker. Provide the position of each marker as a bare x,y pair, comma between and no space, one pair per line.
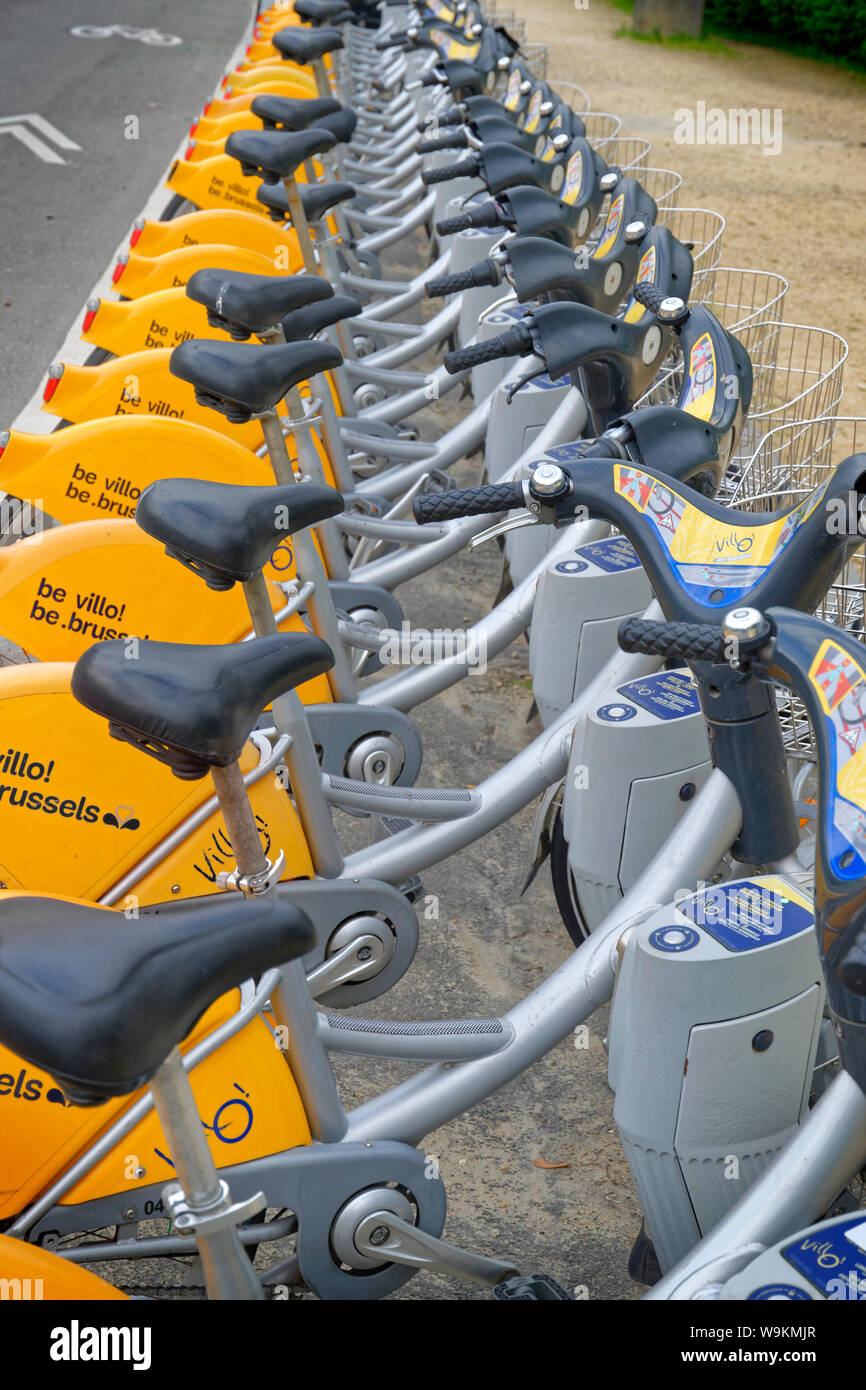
674,939
616,714
571,567
784,1292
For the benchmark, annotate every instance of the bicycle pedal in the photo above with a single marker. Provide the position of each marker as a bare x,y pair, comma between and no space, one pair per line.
532,1288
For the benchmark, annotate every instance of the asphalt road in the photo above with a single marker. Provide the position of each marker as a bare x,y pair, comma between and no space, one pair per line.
61,222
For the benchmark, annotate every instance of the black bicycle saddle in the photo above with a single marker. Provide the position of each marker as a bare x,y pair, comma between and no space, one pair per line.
307,322
227,533
193,707
292,113
317,198
304,46
276,154
243,379
252,303
100,1004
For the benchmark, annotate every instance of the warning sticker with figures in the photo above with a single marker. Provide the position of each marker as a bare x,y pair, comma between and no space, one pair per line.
611,228
534,111
700,391
841,686
573,177
646,274
512,91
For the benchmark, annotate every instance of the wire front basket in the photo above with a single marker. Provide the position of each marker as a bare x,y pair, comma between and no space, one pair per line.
796,377
601,130
663,186
628,152
788,464
535,55
699,230
738,297
570,92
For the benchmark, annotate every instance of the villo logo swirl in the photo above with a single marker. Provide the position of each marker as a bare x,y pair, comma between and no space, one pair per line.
122,818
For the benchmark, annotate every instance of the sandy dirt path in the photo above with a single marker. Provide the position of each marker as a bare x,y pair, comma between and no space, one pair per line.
799,212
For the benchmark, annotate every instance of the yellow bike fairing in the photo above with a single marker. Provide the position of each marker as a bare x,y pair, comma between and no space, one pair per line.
97,581
707,553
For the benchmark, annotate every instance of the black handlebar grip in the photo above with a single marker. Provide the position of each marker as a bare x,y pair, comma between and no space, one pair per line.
456,140
486,214
433,79
468,501
452,115
450,225
485,273
514,342
685,641
650,296
466,168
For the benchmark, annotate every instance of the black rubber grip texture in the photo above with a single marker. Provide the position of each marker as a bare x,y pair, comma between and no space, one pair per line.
485,273
596,449
650,296
457,140
468,501
466,168
450,225
486,214
514,342
453,115
433,79
684,641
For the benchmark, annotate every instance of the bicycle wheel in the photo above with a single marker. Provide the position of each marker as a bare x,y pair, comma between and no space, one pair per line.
564,886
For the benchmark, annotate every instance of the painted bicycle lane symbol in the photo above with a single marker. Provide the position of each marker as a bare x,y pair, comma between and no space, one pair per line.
154,37
231,1123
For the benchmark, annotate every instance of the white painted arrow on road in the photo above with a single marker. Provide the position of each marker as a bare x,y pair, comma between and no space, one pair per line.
18,126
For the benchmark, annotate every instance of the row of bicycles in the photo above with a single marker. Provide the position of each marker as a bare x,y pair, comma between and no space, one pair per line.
210,661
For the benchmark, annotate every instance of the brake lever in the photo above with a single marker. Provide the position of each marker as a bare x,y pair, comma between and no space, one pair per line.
511,523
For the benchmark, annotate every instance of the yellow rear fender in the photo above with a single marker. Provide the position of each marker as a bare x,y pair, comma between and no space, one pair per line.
159,320
139,384
136,275
80,810
95,581
65,473
263,76
216,183
218,130
286,83
29,1272
213,225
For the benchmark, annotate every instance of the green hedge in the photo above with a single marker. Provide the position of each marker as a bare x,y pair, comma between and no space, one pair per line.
831,27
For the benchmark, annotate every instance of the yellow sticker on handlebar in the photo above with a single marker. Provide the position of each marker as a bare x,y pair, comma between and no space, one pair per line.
714,561
611,228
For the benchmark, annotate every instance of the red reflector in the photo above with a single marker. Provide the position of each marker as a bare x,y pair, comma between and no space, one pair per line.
189,149
193,128
50,387
136,232
4,440
88,320
207,106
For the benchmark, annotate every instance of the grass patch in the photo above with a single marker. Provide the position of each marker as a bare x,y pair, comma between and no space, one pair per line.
709,43
714,41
